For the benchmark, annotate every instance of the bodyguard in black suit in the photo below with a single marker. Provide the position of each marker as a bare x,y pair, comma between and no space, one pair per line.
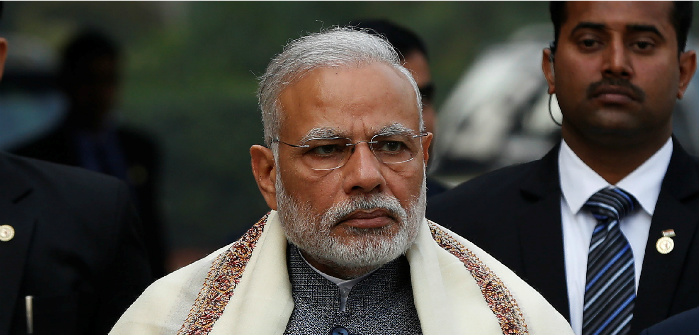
515,214
616,69
71,249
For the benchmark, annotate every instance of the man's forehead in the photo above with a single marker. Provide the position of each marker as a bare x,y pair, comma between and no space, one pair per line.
349,99
311,82
626,13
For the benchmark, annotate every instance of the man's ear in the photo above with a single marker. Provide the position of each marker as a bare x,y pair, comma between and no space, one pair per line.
3,54
265,172
547,68
688,65
426,140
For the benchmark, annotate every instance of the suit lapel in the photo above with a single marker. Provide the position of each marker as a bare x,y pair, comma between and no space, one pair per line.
677,208
14,194
542,235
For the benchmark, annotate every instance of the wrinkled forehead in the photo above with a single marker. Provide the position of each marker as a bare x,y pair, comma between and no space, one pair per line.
357,101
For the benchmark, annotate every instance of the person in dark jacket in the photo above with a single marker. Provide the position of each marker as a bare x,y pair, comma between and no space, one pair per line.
607,223
72,257
91,137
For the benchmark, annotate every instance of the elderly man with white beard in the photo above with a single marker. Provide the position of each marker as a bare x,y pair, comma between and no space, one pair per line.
346,248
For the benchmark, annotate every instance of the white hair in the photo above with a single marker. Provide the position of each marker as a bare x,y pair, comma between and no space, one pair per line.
335,47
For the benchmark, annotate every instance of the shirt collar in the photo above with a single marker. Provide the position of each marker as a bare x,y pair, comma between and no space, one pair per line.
579,182
345,284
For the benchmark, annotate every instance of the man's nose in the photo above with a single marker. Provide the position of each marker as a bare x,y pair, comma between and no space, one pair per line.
363,172
617,60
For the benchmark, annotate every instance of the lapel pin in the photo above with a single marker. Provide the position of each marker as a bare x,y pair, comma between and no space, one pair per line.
6,233
665,244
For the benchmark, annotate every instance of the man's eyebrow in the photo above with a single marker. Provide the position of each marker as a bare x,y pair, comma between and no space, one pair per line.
395,129
644,28
588,25
327,132
321,132
630,27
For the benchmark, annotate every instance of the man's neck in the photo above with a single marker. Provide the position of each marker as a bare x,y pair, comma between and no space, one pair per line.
337,271
614,161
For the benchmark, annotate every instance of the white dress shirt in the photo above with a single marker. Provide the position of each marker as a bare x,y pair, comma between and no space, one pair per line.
578,183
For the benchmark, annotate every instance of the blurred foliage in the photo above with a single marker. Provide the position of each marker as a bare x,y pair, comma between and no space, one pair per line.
190,79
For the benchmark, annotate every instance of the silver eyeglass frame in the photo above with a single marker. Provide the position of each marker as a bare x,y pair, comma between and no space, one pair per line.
353,145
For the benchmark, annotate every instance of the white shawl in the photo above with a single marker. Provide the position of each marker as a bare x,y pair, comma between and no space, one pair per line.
244,288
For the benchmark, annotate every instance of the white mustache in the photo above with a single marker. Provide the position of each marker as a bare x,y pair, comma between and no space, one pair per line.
339,211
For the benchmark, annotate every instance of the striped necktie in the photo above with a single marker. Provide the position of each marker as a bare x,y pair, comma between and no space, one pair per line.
610,289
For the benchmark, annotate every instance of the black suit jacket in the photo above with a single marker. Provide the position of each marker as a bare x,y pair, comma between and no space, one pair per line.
77,248
514,214
142,159
685,323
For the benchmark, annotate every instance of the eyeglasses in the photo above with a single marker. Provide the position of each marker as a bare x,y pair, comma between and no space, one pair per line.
323,154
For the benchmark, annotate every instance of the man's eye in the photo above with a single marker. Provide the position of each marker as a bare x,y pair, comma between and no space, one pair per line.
391,146
326,149
589,43
643,45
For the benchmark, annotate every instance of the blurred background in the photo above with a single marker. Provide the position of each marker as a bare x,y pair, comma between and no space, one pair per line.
189,81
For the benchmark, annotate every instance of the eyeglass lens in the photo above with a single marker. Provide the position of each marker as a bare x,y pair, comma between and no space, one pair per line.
328,154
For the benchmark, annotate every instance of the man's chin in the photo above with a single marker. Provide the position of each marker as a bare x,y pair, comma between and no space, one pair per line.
368,250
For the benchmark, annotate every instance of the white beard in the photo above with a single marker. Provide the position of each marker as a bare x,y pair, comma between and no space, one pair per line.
365,248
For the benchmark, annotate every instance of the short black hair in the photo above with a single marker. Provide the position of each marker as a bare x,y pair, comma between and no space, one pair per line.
681,18
402,39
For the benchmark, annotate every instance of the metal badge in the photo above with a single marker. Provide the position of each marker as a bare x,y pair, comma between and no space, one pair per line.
665,244
6,233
